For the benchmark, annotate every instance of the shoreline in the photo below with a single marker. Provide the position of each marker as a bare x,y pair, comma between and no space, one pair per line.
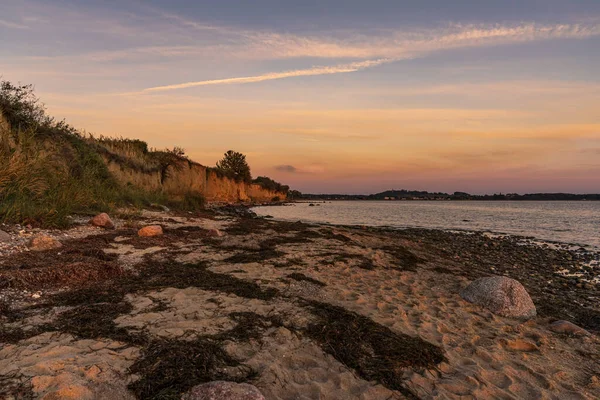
588,255
255,291
566,244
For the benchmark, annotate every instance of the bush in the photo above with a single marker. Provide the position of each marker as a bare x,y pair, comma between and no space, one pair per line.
269,184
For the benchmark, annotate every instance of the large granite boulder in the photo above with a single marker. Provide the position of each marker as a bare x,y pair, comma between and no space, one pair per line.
501,295
102,221
221,390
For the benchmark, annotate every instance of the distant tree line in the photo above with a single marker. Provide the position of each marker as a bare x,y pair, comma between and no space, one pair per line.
424,195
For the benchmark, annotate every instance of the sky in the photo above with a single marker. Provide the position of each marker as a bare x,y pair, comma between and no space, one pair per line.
327,96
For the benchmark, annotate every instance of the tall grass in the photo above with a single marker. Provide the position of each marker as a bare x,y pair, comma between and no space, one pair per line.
42,182
49,170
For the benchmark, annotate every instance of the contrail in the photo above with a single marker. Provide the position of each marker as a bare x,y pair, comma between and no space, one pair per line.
336,69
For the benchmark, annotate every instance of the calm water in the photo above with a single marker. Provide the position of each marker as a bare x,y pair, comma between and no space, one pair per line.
559,221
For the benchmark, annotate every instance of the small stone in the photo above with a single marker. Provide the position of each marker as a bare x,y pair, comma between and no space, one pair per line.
92,372
151,230
4,237
568,328
221,390
102,221
215,233
501,295
42,242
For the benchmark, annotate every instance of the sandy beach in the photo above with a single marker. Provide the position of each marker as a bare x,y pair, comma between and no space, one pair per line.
300,311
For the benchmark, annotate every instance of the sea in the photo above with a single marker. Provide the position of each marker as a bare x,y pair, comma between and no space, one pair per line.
576,223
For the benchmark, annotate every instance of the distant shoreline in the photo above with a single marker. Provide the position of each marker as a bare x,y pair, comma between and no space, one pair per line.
594,197
403,194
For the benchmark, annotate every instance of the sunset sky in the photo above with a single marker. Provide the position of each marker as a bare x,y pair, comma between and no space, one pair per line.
340,96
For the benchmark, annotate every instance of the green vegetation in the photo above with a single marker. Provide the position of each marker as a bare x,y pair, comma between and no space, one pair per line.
50,170
234,165
270,184
47,169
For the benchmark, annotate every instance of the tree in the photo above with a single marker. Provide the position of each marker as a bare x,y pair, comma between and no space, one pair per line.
234,165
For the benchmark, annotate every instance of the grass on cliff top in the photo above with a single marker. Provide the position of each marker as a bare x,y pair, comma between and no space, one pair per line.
49,170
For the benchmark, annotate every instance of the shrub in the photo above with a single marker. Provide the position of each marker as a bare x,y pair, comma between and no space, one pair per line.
270,184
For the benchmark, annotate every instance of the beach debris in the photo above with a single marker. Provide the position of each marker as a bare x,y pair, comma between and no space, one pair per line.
43,242
4,237
567,327
222,390
102,221
501,295
150,230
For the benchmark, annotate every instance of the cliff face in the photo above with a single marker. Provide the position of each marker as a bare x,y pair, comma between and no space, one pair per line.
186,177
177,180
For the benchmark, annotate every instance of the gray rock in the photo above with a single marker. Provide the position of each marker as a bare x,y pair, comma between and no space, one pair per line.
501,295
4,237
221,390
568,328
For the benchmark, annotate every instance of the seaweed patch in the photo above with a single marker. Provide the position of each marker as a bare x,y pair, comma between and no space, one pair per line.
374,351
